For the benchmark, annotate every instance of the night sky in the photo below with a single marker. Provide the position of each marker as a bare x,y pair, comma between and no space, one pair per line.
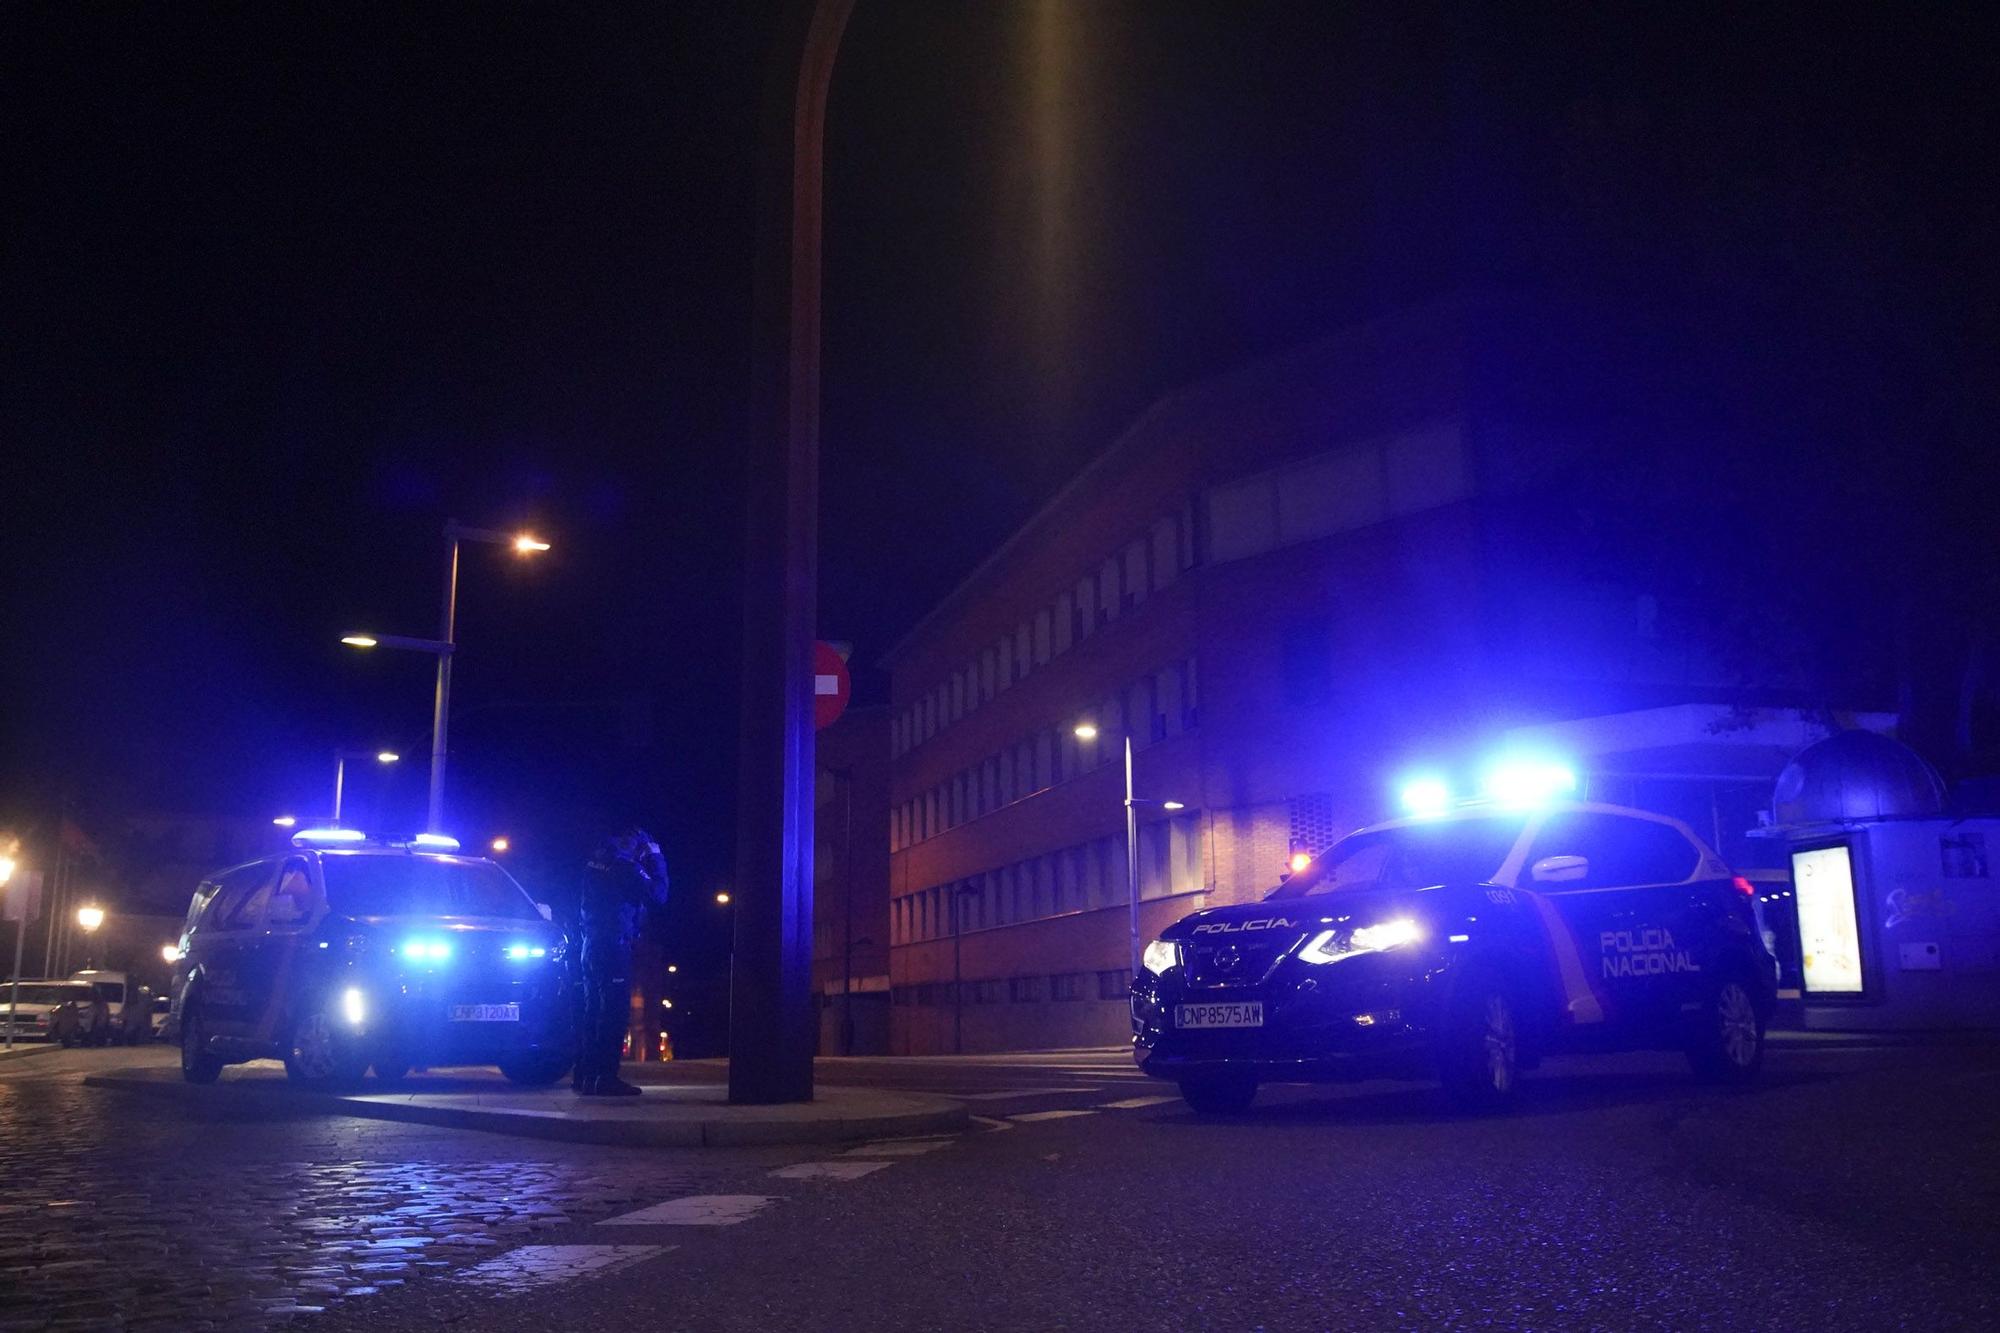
288,286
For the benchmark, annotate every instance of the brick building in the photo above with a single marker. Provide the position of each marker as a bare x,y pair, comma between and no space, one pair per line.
851,884
1288,585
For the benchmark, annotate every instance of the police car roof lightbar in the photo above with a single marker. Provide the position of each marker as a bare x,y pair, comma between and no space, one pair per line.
327,837
442,842
1426,796
1529,781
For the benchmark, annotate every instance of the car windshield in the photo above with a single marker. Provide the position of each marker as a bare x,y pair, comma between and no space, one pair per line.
365,884
1412,856
43,993
111,992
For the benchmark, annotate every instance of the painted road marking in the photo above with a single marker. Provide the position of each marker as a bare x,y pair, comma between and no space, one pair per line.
697,1210
1033,1116
540,1265
988,1123
828,1170
1136,1103
897,1148
1017,1092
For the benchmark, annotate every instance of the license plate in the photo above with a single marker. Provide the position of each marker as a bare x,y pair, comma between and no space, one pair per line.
1235,1014
486,1013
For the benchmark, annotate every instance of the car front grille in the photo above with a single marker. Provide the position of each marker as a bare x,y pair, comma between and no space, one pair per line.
1231,963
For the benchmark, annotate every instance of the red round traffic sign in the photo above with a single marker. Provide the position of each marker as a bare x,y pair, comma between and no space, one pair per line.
831,685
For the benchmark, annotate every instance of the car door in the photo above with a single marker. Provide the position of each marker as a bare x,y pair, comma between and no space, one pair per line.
1622,884
222,947
289,907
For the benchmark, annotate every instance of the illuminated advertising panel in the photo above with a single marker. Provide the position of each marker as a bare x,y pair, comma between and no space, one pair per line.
1829,926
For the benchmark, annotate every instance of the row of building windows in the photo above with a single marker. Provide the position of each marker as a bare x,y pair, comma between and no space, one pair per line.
1125,579
1113,985
1152,708
1082,878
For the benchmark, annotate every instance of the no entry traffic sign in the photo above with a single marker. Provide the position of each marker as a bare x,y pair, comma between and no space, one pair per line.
831,685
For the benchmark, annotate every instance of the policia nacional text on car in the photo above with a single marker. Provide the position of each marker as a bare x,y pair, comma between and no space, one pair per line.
1464,943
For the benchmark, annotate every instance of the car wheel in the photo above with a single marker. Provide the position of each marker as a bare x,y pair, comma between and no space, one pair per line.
535,1071
1479,1055
1224,1092
319,1055
1727,1044
197,1065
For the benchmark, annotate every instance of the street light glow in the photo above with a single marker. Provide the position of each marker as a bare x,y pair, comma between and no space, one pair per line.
1300,860
527,545
722,898
1172,805
170,953
1086,731
359,640
285,821
6,868
500,844
673,967
90,918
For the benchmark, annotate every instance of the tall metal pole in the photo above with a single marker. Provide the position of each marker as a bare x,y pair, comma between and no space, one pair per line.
957,984
441,710
339,781
847,912
1132,853
771,1021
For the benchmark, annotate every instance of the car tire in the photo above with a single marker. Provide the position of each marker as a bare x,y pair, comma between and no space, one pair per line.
1479,1043
1225,1092
1727,1043
318,1055
535,1071
197,1064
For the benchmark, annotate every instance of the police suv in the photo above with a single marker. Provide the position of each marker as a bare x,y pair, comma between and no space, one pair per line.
1464,944
348,953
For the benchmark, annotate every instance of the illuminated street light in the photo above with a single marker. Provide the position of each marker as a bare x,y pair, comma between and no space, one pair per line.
340,758
723,898
285,821
1172,805
1086,731
6,870
170,953
673,967
8,865
524,544
666,1004
500,844
90,918
1300,860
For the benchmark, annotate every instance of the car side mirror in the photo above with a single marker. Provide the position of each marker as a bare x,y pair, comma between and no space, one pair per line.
548,914
1559,869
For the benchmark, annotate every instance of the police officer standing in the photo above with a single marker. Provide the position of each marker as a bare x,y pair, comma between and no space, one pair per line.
625,877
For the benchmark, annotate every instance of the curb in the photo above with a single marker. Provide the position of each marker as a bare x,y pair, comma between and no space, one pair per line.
742,1127
23,1051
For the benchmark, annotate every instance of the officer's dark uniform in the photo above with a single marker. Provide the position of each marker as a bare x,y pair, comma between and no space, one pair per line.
624,879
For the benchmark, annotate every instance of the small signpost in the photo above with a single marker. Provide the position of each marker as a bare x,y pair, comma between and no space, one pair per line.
832,686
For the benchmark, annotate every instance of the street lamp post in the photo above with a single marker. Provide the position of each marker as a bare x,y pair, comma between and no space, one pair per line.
445,646
89,917
340,758
957,976
1087,731
20,915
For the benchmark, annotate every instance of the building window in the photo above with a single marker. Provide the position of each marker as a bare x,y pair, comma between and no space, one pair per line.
1085,611
1043,632
1065,622
1026,990
1139,713
1107,591
1114,985
1068,985
1166,551
986,670
1024,647
1135,581
985,992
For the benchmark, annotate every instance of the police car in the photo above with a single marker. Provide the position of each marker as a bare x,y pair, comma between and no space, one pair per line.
1464,943
348,953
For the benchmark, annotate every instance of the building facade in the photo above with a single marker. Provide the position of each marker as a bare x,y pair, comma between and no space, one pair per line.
1286,587
851,884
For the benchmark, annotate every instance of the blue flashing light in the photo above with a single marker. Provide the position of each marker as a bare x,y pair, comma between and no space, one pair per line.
442,842
1527,782
517,952
327,837
435,951
1426,796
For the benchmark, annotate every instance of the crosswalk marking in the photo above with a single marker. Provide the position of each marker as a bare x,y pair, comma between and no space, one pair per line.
828,1170
697,1210
540,1265
1135,1103
1033,1116
1018,1092
897,1148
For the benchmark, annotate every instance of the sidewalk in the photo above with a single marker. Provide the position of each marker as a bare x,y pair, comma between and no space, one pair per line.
24,1049
693,1115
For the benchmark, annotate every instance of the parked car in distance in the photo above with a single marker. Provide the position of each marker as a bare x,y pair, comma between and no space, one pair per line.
68,1012
124,1000
161,1006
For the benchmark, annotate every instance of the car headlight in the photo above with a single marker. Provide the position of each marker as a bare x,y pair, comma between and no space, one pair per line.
1330,946
1160,955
